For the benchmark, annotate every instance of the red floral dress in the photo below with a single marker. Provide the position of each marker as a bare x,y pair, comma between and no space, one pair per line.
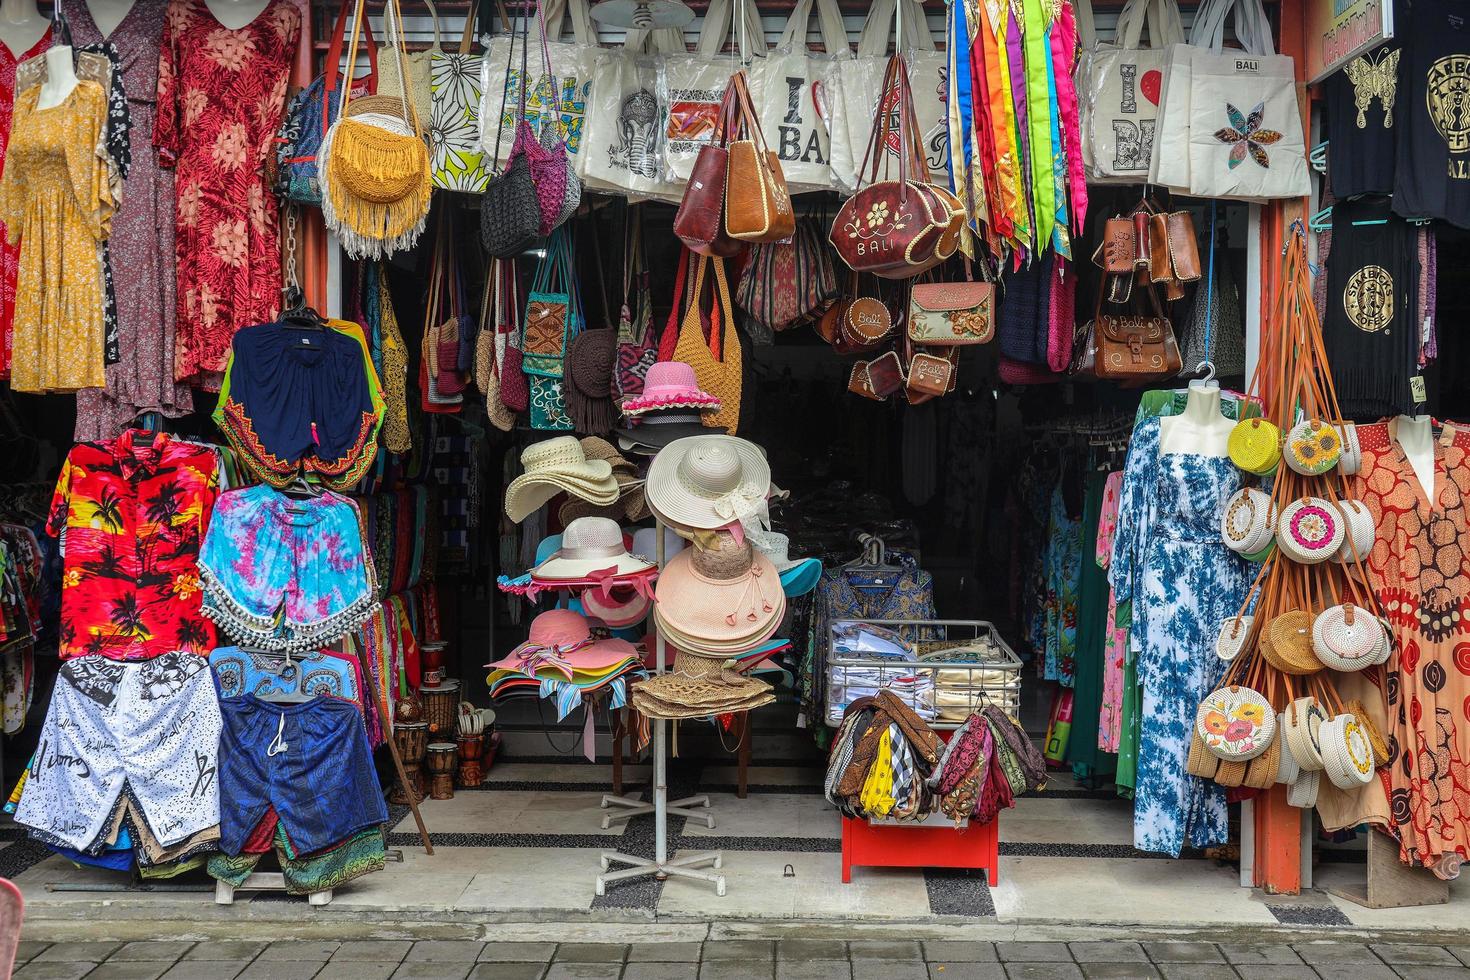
10,254
220,97
1420,566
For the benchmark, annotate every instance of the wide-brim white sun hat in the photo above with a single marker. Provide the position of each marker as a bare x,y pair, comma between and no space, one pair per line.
708,482
590,544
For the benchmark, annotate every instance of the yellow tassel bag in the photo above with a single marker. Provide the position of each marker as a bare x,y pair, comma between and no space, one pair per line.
376,181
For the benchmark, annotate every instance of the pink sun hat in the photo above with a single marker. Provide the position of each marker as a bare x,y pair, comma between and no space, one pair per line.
670,384
561,643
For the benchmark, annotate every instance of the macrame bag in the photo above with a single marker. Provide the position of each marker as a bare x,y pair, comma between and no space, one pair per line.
718,374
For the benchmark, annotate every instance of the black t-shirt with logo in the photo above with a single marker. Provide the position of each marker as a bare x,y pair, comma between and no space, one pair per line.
1369,326
1363,102
1432,171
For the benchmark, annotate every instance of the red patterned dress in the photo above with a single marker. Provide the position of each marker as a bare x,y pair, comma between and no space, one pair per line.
220,97
1420,566
10,254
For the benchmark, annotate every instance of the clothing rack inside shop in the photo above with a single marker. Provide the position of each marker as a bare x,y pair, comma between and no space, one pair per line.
661,866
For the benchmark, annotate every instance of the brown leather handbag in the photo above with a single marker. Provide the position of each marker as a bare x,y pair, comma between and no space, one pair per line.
885,375
757,203
894,228
700,220
947,314
1129,348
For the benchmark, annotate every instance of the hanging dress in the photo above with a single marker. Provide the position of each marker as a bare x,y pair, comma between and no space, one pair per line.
220,97
141,243
55,201
1115,636
1420,569
1169,561
10,254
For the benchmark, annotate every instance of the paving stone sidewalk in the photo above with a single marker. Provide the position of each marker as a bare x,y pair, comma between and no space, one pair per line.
797,959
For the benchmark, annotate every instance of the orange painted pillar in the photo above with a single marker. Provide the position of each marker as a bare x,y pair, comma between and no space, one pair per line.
1278,825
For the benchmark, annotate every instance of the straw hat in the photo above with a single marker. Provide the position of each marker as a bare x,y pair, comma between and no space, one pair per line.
697,687
553,466
632,502
590,544
719,602
669,384
656,430
708,482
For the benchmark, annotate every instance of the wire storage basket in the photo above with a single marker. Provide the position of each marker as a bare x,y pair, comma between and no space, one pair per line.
960,666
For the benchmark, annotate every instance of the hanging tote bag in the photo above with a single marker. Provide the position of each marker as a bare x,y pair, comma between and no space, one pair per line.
375,168
757,204
1169,165
1121,85
558,97
1246,140
719,374
623,141
511,215
692,86
417,63
553,318
460,163
790,283
312,112
787,83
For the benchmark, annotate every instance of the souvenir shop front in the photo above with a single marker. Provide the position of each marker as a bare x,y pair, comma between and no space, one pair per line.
823,438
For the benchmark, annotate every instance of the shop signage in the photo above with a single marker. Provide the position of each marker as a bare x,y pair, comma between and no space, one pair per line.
1337,31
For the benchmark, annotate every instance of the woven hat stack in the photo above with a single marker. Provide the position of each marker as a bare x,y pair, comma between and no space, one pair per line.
632,502
558,465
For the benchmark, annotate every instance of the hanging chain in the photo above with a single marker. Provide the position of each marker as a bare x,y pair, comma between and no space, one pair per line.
292,211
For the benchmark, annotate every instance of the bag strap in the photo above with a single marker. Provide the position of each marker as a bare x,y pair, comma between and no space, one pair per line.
829,24
1086,31
332,68
466,37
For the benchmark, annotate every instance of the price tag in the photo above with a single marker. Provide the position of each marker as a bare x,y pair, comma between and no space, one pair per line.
1416,388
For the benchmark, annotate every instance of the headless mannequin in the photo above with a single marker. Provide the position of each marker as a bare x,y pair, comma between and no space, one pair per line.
236,14
1202,429
108,14
21,25
61,77
1415,435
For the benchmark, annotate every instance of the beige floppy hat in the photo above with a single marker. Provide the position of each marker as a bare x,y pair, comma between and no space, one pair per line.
553,466
719,602
709,482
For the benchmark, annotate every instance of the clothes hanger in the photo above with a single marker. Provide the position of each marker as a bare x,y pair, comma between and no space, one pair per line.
874,564
300,488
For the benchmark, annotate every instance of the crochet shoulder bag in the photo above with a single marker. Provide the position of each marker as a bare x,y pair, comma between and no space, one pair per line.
718,374
510,212
376,181
553,318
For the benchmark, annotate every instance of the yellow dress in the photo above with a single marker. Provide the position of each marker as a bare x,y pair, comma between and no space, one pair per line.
56,202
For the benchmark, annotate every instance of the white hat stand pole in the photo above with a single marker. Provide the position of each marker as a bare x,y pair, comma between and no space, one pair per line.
661,866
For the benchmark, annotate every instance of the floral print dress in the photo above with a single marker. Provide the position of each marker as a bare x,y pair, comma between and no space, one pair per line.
1115,638
1169,561
1063,576
10,254
220,97
1420,568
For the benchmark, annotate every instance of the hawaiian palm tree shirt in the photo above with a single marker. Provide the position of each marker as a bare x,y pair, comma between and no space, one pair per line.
130,514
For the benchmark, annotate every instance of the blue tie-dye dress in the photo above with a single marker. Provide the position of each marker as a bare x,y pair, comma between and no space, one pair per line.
1168,558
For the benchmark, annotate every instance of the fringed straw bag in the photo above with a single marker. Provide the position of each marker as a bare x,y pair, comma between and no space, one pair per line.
376,178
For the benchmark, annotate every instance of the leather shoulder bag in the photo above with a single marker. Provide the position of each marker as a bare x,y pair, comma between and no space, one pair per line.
1130,348
757,203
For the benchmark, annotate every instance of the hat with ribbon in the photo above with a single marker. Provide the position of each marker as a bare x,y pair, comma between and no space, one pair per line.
560,645
709,482
554,466
719,602
590,545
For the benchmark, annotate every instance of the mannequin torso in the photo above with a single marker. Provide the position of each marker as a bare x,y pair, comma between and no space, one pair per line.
21,25
61,77
235,14
1202,429
1415,436
108,14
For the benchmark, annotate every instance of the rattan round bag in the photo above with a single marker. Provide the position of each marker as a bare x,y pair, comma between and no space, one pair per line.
1248,524
1255,446
1289,769
1304,717
1236,723
1302,793
1385,642
1347,755
1290,646
1312,447
1310,530
1358,532
1351,459
1346,637
1233,634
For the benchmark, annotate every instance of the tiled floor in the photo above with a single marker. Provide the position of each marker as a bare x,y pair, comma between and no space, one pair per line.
526,846
820,959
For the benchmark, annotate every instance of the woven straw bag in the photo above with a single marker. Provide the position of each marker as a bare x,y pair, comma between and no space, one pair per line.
1351,459
1290,646
1312,447
1234,633
1248,524
1236,723
1304,717
720,376
1310,530
1261,773
1359,534
1255,446
1385,645
1347,756
1231,773
1200,762
1346,637
1302,793
1375,737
